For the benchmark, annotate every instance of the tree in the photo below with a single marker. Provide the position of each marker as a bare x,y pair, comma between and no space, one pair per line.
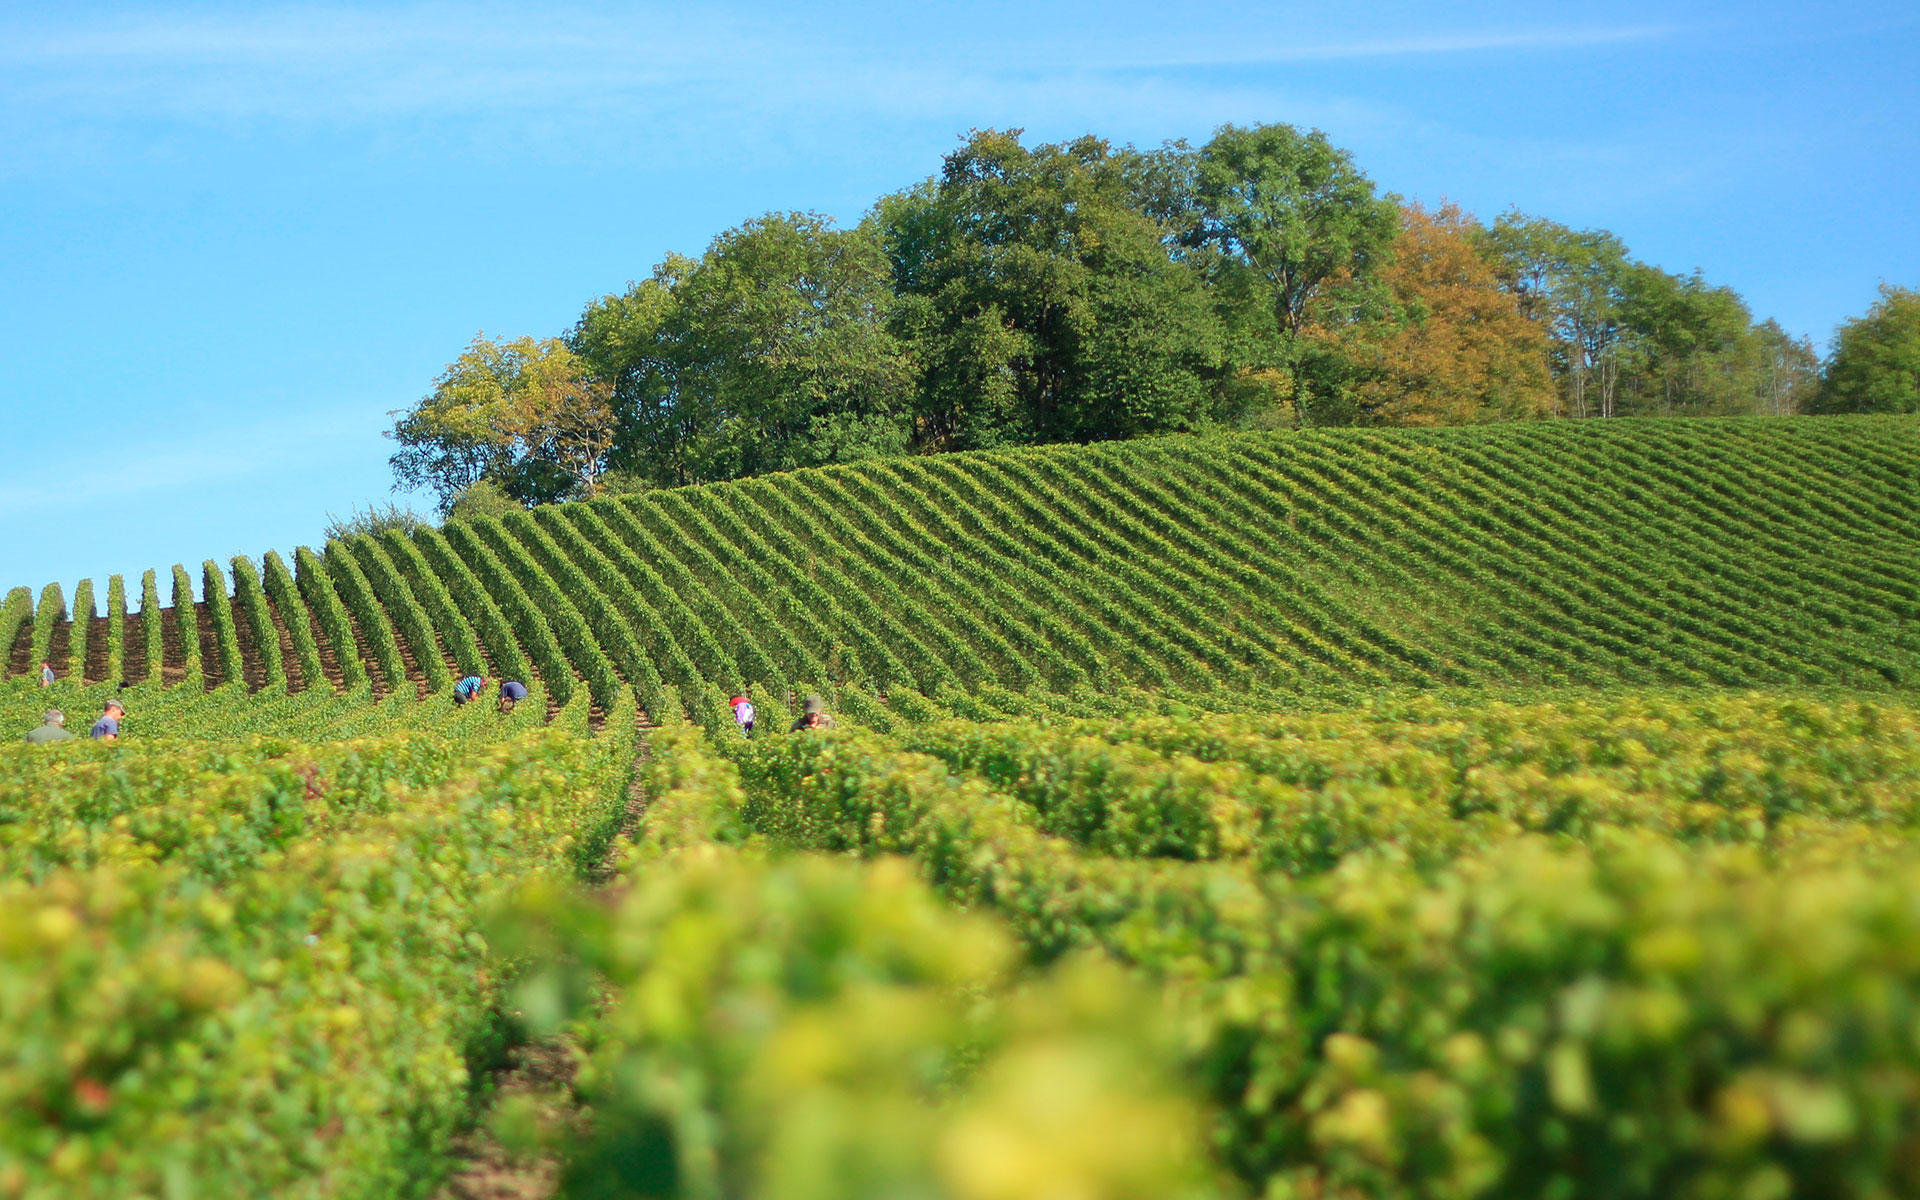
1078,291
772,350
1697,350
1293,210
455,437
480,500
663,434
1043,303
783,330
525,414
1629,338
1572,283
1457,348
1786,376
568,418
1875,362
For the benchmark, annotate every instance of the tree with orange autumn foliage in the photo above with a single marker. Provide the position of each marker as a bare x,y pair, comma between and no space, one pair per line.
1456,348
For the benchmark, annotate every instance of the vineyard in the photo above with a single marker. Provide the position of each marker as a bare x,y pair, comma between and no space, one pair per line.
1504,812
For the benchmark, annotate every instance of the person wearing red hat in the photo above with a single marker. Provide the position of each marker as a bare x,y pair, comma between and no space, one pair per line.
743,714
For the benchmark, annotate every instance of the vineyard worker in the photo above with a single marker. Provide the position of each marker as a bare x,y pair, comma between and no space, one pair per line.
743,714
512,692
53,728
46,674
813,715
107,728
469,688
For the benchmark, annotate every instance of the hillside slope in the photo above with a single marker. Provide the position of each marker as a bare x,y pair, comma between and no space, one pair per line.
1725,552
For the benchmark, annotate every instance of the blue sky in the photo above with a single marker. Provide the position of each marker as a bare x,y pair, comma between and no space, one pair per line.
234,237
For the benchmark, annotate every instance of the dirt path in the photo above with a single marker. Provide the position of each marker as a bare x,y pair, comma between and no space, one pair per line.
416,675
209,646
289,657
94,670
133,633
59,645
329,655
253,662
173,653
375,675
539,1074
20,654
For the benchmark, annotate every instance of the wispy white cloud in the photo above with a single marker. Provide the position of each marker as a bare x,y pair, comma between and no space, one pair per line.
668,85
646,42
331,64
1263,52
681,86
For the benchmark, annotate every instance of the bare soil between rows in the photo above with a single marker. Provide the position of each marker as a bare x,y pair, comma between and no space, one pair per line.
538,1074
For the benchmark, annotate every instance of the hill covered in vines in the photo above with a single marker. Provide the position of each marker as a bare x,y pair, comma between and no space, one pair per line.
1742,553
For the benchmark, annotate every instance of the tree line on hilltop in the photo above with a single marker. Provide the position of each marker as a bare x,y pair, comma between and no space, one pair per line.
1081,292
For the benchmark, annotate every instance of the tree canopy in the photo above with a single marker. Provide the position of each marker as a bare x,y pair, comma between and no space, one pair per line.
1294,211
772,350
1081,291
1875,365
1454,347
527,414
1629,339
1043,301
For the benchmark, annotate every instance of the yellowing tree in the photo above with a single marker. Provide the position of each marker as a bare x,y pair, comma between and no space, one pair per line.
1461,351
564,415
525,414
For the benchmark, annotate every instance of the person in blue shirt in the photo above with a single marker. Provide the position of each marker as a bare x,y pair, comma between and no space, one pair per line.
511,693
107,728
46,674
469,688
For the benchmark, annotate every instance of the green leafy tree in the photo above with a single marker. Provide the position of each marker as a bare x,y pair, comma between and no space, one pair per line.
1044,303
782,330
1628,338
663,435
1293,210
1573,283
1786,377
1693,348
1875,364
770,351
